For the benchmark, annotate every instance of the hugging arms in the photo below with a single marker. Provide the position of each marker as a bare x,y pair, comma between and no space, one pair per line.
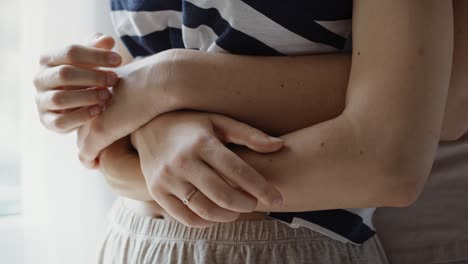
375,150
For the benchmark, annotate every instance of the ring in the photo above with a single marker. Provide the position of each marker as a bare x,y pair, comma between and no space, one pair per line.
186,199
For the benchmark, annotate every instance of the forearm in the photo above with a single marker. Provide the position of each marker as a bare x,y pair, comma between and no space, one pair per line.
278,95
330,166
120,165
380,150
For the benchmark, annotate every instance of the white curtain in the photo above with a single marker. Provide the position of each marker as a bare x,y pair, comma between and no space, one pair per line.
64,205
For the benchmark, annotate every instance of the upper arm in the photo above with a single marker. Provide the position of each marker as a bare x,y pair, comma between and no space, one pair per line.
455,120
401,66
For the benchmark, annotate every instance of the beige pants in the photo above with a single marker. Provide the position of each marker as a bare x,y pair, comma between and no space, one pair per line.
134,239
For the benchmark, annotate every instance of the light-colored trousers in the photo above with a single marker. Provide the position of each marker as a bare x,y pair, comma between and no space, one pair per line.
133,239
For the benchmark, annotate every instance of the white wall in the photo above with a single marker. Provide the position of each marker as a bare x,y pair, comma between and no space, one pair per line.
64,204
11,240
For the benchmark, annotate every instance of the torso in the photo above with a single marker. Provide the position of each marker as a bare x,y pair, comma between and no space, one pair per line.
246,27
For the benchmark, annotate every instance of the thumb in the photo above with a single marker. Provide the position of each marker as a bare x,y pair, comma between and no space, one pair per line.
231,131
101,41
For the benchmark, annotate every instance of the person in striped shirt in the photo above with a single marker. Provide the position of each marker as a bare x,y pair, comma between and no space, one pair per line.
330,152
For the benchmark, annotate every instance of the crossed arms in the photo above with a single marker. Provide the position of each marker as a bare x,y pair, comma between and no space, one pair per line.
375,150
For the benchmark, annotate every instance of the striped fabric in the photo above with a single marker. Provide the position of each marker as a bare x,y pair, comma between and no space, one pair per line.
249,27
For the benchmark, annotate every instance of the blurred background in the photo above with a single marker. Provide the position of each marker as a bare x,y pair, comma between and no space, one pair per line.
51,209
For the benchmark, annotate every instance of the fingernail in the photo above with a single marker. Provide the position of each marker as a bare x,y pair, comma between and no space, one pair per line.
94,110
114,59
275,139
103,95
278,202
111,78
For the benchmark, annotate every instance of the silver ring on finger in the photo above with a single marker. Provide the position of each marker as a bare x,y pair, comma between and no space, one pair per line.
187,199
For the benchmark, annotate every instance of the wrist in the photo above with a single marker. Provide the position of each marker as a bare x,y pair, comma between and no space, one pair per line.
165,86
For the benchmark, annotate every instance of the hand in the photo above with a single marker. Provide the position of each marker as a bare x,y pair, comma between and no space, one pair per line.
140,96
70,90
184,151
120,165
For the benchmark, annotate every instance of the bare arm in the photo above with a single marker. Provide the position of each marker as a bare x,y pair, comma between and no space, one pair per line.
278,95
316,85
380,150
455,121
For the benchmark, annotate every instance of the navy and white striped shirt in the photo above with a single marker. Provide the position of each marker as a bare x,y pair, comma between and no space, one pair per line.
249,27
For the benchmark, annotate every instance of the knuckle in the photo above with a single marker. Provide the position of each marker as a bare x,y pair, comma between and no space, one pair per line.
59,124
203,139
180,161
163,171
206,145
65,72
57,99
72,53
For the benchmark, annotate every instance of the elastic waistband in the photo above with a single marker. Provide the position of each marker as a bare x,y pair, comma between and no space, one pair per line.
127,221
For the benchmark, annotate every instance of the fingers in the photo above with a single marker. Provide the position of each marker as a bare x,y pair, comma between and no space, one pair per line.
174,206
240,173
206,209
67,75
81,55
219,191
199,212
68,99
101,41
232,131
66,122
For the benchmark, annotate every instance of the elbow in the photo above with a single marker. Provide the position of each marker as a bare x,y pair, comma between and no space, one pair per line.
453,132
401,194
455,124
402,185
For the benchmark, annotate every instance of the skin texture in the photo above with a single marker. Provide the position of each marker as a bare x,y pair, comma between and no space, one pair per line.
396,173
298,123
69,110
70,89
183,151
455,124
